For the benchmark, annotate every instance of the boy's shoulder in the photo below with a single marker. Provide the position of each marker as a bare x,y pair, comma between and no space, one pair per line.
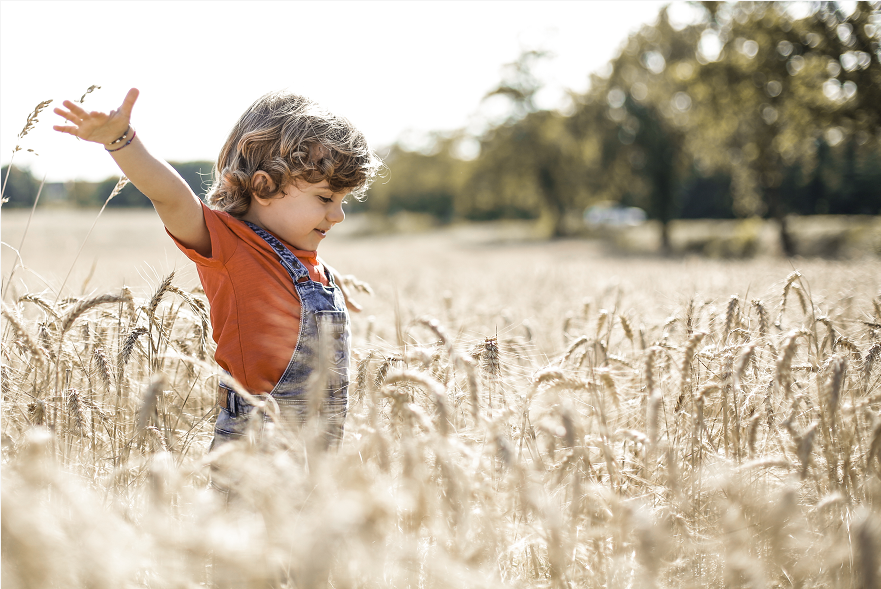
218,218
222,216
227,234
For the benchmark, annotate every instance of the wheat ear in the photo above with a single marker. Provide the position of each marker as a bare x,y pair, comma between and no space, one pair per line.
86,304
40,302
37,353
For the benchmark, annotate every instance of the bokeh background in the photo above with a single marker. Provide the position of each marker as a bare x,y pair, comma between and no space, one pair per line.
725,111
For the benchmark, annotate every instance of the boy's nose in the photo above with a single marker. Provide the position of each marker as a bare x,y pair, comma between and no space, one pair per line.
336,214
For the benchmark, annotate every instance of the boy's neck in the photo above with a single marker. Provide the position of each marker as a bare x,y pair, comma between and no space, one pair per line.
252,217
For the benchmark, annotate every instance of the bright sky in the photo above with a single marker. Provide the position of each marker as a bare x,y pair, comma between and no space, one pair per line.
396,70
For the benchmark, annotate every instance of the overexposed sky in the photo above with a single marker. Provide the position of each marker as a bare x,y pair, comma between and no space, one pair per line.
395,69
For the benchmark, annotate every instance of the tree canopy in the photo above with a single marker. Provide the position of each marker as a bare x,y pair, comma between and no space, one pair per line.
748,111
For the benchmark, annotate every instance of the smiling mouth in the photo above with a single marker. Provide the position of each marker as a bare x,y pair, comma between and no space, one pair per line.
320,232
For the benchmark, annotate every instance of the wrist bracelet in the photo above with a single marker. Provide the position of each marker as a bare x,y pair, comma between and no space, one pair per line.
121,138
134,134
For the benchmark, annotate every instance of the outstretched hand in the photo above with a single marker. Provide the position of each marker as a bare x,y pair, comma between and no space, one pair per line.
95,126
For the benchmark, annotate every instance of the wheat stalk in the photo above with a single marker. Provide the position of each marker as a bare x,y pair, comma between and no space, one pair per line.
103,366
116,189
37,353
763,317
148,404
129,345
32,120
88,91
85,305
164,287
75,409
688,356
732,315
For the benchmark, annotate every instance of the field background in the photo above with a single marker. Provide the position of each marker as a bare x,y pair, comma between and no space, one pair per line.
523,412
495,275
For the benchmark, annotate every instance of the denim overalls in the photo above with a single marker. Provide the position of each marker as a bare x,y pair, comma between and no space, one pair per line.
323,345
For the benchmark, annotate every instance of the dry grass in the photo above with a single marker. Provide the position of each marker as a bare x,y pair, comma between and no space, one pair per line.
518,416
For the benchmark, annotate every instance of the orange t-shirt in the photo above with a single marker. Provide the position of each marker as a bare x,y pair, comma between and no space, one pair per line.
255,310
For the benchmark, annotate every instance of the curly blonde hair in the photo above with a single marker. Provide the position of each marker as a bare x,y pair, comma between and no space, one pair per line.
291,138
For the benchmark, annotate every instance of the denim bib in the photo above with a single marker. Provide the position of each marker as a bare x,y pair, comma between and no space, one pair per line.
318,365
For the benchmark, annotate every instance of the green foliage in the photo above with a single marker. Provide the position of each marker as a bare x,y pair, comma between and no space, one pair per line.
530,166
426,183
196,174
840,181
21,187
705,197
781,116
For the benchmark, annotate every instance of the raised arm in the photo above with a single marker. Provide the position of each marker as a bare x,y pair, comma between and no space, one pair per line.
173,199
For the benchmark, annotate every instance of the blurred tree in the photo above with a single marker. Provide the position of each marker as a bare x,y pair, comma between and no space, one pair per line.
643,117
850,45
531,162
815,198
868,182
198,175
743,94
21,187
519,84
420,182
705,196
530,167
762,92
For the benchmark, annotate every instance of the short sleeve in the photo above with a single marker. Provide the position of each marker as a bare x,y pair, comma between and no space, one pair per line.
223,241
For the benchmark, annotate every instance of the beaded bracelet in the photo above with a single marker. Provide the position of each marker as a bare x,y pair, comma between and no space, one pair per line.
121,138
134,134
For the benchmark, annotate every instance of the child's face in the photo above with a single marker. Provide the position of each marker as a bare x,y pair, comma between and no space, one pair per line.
304,215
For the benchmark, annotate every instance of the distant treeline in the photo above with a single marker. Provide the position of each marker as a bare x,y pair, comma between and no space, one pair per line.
22,187
841,180
747,112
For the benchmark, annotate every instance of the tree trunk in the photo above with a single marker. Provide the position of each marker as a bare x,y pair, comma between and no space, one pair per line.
665,237
775,206
786,242
553,199
559,224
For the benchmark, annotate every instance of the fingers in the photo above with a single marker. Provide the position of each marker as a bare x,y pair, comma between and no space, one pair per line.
65,129
74,108
67,115
129,102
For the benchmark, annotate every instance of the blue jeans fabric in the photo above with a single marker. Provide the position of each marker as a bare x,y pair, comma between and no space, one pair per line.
319,364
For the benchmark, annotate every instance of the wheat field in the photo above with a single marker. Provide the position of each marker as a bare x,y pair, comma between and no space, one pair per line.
521,414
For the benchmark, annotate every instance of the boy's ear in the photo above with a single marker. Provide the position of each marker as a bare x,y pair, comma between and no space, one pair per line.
261,183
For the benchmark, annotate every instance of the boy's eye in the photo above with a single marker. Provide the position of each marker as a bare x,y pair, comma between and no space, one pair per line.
325,200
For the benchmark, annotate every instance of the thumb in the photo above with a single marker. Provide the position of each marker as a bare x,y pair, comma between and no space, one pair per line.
129,102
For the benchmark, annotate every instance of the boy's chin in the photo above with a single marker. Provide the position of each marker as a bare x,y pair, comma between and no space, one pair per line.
309,246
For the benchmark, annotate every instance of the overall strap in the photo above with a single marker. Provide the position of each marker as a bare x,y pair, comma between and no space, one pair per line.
290,262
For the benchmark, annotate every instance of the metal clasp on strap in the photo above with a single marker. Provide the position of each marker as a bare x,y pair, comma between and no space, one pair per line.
229,400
